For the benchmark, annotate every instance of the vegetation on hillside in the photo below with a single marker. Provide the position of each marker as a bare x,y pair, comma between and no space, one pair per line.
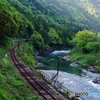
45,23
86,49
37,41
26,19
60,17
27,54
8,26
12,87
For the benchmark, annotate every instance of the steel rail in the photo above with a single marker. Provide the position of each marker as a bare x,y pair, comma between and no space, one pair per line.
32,80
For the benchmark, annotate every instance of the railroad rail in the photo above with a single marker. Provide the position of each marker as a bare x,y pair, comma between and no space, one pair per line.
42,88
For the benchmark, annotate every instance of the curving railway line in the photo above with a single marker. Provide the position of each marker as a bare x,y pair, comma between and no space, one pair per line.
42,88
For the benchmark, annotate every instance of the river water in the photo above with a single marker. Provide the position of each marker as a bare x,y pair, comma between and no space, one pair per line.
71,76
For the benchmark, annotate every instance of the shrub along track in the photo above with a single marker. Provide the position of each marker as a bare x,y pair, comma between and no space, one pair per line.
43,89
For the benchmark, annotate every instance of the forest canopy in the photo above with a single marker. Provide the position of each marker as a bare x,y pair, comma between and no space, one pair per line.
87,41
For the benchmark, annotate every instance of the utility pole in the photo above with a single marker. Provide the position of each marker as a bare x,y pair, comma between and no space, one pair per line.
18,43
56,76
57,66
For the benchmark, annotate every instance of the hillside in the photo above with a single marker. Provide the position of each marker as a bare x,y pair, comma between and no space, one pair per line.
79,13
46,23
62,17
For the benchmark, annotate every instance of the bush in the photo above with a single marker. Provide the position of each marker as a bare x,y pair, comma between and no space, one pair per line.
26,53
4,95
86,51
83,37
37,40
87,41
54,37
92,46
8,26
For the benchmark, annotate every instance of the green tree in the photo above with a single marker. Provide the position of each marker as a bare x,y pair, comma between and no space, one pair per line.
83,37
92,46
45,35
87,41
8,26
37,40
54,37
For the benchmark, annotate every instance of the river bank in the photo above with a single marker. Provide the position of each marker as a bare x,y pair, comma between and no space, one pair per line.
88,61
72,77
74,83
75,62
76,59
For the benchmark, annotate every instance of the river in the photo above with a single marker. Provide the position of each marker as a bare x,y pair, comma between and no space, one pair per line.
70,76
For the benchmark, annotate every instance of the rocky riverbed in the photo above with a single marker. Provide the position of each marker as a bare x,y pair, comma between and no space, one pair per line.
75,83
91,68
71,75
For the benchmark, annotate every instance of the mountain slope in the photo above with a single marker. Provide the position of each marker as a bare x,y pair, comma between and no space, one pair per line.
44,22
77,13
84,13
65,17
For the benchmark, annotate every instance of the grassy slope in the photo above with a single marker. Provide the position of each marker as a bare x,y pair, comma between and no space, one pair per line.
12,86
27,54
86,59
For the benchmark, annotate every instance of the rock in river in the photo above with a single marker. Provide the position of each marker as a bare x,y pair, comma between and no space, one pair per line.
66,58
97,80
39,65
92,68
39,57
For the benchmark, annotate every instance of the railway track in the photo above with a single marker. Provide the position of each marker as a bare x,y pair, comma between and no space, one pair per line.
42,88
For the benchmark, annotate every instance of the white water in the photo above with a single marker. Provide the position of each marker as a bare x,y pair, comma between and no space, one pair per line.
60,52
75,83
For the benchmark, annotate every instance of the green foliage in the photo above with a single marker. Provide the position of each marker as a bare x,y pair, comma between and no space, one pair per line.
87,49
49,82
85,59
12,86
57,93
97,70
40,74
37,40
72,13
8,26
58,90
92,46
65,91
82,37
2,5
7,42
64,17
54,37
27,54
87,41
4,95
